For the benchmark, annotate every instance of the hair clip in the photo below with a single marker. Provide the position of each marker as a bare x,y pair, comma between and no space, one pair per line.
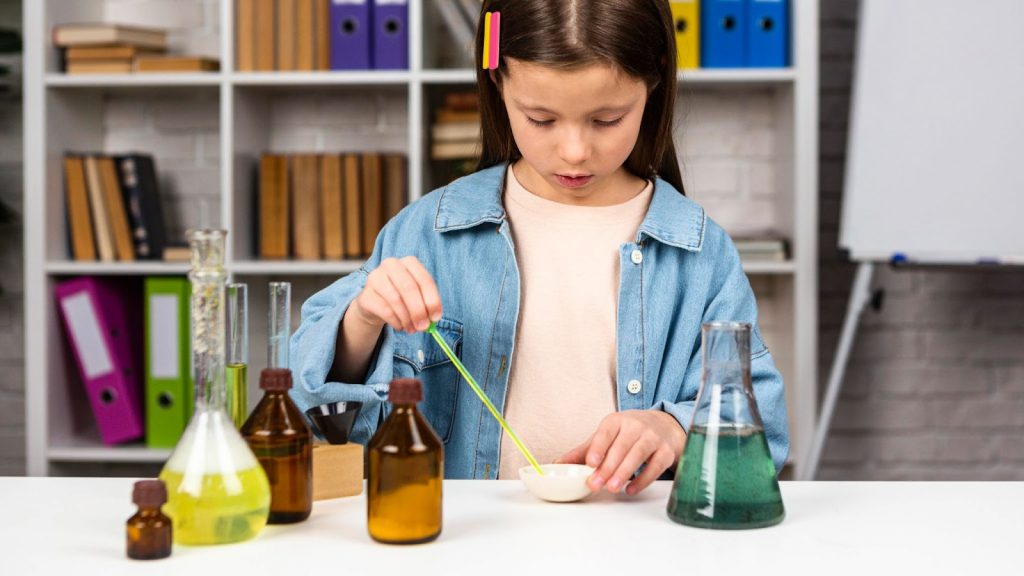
492,34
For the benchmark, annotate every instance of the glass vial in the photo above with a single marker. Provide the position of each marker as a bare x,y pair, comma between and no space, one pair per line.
149,531
217,491
279,324
726,478
238,353
405,472
277,431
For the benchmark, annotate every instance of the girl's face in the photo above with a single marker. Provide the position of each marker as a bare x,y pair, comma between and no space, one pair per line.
575,130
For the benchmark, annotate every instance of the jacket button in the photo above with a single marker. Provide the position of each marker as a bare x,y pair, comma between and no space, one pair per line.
637,256
634,386
421,356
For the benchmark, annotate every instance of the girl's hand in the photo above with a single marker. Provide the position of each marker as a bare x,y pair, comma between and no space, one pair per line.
623,442
399,293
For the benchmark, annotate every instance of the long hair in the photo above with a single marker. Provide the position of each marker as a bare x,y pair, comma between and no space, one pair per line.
637,36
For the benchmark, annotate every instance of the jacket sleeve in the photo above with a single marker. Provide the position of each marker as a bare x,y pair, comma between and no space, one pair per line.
312,350
732,299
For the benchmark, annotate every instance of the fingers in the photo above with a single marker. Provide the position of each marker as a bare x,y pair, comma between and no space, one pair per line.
620,453
402,294
658,463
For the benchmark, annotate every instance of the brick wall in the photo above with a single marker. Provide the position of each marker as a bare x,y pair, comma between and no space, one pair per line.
935,387
12,354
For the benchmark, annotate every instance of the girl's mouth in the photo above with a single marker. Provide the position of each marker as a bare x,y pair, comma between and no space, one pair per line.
573,181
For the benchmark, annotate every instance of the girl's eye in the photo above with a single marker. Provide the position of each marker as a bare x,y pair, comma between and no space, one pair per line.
539,122
608,123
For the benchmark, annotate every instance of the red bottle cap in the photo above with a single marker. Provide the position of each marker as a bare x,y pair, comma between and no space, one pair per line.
276,379
405,391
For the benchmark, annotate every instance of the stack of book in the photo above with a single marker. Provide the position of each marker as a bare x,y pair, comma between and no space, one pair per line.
113,207
762,248
327,206
119,49
456,130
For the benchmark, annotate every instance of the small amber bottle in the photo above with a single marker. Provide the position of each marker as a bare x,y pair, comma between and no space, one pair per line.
406,468
149,530
278,435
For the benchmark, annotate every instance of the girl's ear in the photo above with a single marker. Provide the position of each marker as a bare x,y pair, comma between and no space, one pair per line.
495,78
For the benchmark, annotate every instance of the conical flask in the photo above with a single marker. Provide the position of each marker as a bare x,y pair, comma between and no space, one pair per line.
726,478
217,490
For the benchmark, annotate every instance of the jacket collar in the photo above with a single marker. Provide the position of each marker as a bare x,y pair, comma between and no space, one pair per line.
472,200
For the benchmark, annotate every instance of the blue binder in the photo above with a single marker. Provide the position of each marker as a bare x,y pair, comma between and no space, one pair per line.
350,35
723,33
768,33
391,34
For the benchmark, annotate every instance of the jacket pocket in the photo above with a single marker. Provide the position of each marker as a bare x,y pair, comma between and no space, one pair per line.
419,356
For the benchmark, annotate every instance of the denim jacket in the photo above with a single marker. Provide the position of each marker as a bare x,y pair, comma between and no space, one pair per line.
680,270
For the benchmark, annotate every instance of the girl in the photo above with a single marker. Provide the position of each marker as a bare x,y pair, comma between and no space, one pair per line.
569,273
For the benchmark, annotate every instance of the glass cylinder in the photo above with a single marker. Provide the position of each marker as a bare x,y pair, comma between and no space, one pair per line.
405,472
217,491
279,324
238,353
726,478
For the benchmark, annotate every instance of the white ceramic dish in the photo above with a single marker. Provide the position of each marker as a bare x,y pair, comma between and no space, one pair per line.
560,482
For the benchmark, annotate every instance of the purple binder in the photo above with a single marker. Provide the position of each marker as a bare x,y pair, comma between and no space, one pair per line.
391,34
98,319
350,35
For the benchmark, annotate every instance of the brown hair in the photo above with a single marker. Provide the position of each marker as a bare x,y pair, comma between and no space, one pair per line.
637,36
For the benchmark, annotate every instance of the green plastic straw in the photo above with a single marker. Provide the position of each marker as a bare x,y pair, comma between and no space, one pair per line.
483,397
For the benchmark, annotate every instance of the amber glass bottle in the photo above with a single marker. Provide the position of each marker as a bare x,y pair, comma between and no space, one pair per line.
278,435
406,467
149,531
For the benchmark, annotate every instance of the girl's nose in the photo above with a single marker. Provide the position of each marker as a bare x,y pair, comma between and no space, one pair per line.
574,148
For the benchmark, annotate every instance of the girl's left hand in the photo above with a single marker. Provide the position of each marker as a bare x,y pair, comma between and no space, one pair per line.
622,443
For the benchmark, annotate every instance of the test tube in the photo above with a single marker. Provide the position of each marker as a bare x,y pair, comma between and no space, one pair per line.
238,353
279,324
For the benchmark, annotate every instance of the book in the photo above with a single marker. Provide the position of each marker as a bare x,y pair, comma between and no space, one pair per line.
305,36
112,52
83,247
274,215
762,248
331,206
265,38
306,207
286,36
101,33
455,150
177,254
99,67
395,195
445,115
176,64
373,209
352,206
141,191
454,131
124,246
323,35
101,218
245,35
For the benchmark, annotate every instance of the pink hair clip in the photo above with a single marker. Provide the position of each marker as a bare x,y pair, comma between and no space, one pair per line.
492,35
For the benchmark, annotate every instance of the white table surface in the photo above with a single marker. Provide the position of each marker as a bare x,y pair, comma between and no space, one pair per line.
76,526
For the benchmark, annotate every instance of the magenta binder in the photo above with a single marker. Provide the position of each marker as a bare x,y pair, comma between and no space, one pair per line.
99,318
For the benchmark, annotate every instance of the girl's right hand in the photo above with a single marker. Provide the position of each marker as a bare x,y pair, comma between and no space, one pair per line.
401,294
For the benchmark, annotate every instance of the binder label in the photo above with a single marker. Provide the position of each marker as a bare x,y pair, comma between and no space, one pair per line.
85,331
163,336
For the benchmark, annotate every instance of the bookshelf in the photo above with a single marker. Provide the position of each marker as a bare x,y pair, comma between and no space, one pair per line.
207,168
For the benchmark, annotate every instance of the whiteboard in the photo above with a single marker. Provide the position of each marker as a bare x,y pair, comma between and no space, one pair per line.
935,159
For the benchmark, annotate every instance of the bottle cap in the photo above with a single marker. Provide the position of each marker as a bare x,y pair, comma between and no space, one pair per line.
149,493
405,391
276,379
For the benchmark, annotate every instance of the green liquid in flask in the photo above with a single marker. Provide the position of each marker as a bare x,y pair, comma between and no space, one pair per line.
221,509
238,393
726,481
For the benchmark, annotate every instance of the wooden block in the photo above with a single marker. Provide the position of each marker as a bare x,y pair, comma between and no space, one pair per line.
337,470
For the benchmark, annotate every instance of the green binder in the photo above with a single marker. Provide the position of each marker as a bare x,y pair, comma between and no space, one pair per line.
169,392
